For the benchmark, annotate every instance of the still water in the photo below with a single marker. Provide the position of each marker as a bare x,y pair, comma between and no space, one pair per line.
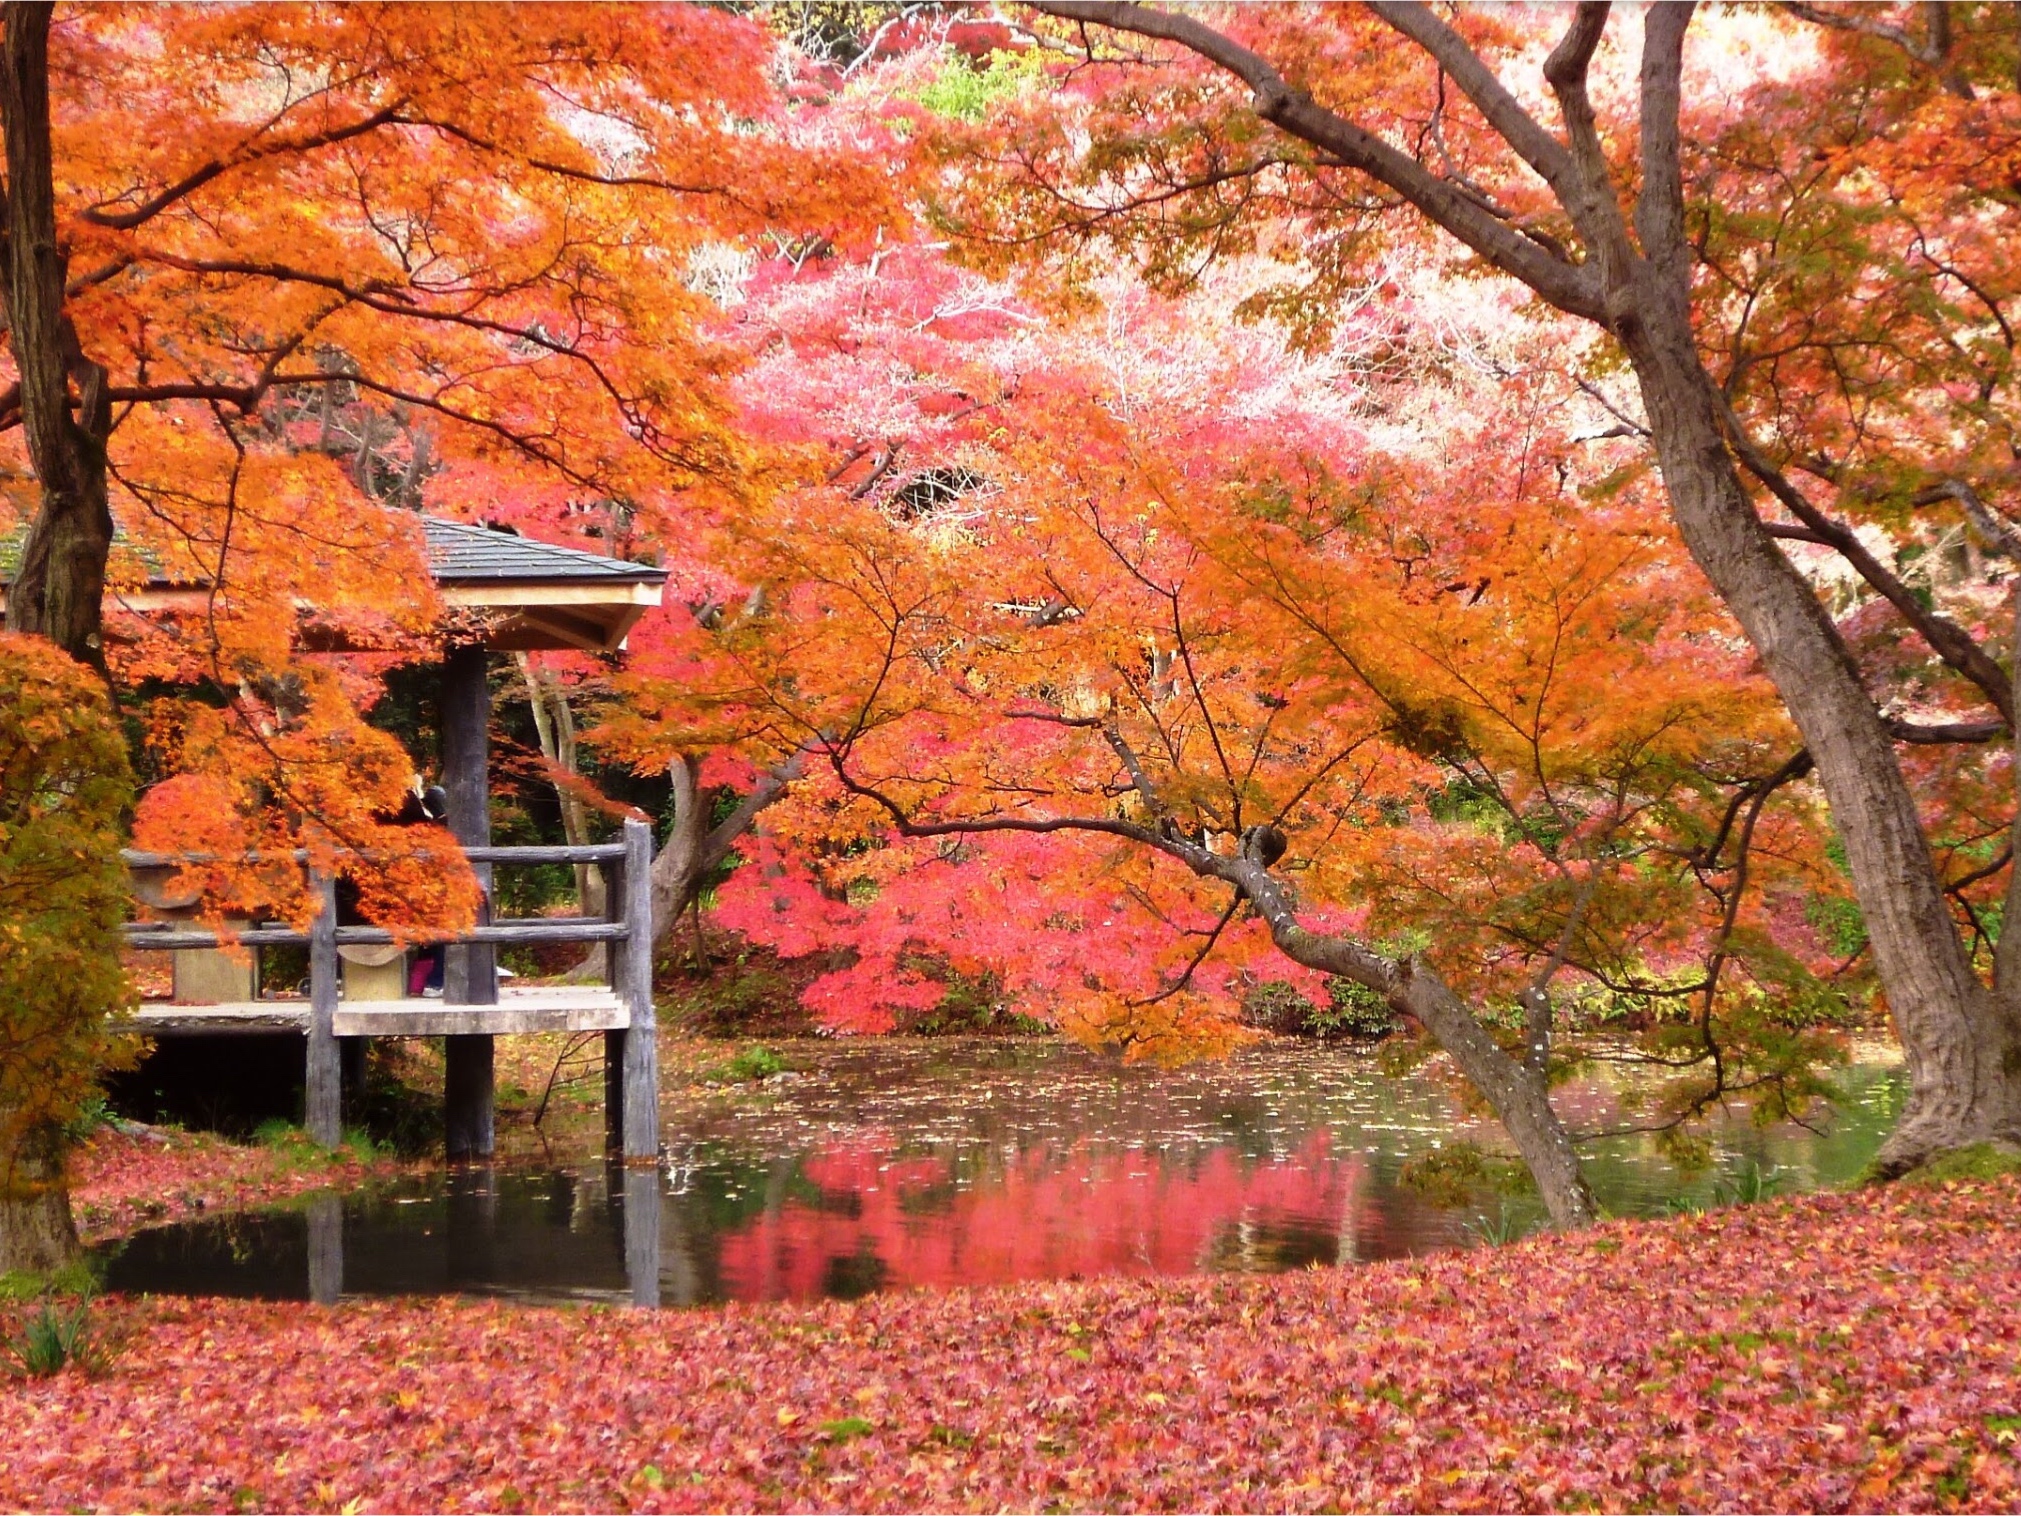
885,1165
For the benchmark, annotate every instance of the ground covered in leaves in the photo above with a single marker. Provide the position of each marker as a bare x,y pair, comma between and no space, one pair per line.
1849,1351
132,1176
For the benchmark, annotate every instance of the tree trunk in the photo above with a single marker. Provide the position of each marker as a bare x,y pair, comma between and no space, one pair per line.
1517,1094
554,721
1962,1045
59,585
59,588
37,1235
1963,1042
678,867
1515,1091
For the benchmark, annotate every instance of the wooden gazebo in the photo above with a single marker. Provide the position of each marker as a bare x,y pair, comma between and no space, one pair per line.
523,595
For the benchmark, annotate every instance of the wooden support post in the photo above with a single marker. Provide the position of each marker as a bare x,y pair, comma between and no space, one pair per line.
613,1092
323,1086
326,1248
642,1204
633,977
470,974
351,1064
468,1097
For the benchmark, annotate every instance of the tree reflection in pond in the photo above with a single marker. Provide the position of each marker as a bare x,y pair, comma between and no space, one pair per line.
891,1166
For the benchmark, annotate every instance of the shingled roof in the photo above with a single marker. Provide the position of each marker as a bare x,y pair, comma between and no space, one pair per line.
540,595
458,552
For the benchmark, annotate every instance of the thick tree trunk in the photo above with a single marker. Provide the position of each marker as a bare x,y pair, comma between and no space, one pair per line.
554,722
679,865
37,1235
59,588
1963,1046
59,585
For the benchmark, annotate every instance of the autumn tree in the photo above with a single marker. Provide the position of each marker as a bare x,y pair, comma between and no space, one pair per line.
276,276
1629,193
1261,677
476,221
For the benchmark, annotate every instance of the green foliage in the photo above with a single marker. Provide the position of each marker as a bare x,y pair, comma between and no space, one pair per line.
1462,1173
91,1115
1353,1010
963,92
746,1066
972,1003
1747,1184
65,789
1469,803
57,1337
1277,1005
1508,1224
1839,922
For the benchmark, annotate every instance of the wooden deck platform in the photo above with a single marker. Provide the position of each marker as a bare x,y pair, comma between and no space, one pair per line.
534,1008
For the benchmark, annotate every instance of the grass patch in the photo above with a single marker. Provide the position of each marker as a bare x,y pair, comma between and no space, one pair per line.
297,1149
746,1066
1982,1160
76,1278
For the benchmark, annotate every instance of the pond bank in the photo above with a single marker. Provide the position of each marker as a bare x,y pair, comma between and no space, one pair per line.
129,1176
1854,1351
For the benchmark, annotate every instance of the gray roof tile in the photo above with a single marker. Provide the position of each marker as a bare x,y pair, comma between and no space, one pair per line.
461,553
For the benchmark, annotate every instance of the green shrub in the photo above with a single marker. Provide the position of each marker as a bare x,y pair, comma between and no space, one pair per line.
56,1337
1353,1010
65,788
1277,1005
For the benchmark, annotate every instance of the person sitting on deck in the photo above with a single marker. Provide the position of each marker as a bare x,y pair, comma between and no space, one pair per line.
421,804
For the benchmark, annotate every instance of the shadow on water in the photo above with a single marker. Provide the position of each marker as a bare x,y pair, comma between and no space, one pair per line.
884,1168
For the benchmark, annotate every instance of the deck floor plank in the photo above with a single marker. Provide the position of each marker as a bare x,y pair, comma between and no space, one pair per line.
534,1008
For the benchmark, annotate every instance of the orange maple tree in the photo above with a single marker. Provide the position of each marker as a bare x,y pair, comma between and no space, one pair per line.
1777,233
1264,619
273,275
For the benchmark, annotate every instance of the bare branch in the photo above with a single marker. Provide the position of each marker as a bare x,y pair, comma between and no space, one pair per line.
1571,287
1536,146
1950,641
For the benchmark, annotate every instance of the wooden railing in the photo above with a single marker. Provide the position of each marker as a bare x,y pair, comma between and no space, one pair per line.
632,1054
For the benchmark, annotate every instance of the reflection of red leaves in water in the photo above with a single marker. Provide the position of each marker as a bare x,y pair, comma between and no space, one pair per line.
119,1182
1840,1352
1043,1215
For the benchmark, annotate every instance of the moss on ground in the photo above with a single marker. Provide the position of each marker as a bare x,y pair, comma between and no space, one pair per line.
1981,1160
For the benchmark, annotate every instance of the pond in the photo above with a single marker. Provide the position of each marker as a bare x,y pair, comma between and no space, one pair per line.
891,1165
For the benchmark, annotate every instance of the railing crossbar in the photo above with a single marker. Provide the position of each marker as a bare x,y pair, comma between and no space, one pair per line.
589,852
155,937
